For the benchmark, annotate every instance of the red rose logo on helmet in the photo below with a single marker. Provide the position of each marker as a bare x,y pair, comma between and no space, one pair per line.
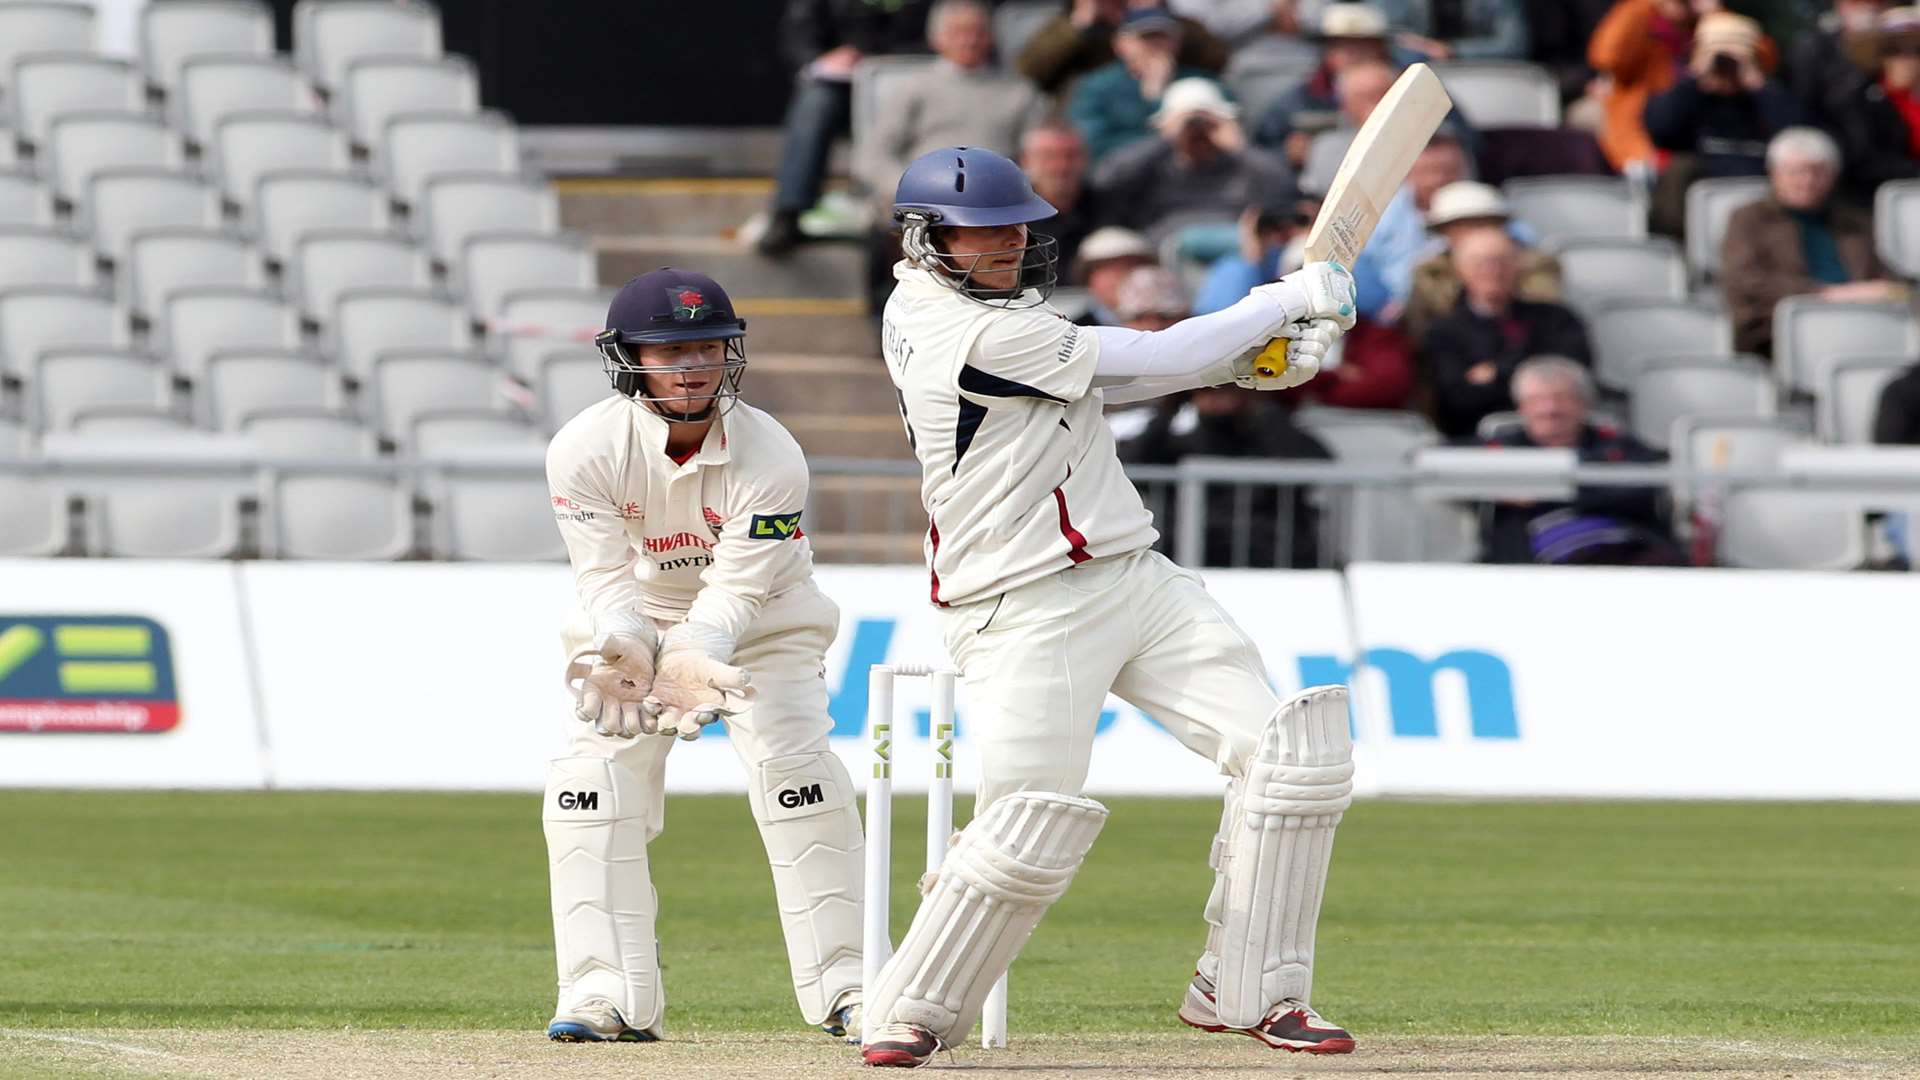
688,304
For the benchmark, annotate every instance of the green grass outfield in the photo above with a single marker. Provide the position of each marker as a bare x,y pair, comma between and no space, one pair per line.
138,910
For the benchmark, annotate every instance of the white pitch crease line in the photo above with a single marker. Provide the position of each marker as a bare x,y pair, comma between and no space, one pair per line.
99,1044
1784,1055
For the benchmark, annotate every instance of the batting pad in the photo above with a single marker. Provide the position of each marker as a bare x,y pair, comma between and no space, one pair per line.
1276,841
603,901
811,828
1007,867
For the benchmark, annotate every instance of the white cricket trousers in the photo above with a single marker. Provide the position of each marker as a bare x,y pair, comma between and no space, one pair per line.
1039,660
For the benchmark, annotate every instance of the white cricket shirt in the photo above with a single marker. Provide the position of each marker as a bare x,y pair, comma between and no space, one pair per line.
709,540
1018,470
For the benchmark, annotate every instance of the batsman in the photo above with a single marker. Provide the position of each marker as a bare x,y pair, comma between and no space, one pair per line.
1050,596
680,506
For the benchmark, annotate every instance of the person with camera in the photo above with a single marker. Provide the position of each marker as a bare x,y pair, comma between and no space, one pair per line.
1196,167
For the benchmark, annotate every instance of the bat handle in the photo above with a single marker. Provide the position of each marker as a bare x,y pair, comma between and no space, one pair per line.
1272,359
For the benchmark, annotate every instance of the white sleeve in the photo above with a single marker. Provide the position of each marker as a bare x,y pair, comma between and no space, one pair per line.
1195,352
760,540
597,543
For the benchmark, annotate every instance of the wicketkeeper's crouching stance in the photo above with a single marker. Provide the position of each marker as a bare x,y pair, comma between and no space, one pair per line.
1050,595
680,506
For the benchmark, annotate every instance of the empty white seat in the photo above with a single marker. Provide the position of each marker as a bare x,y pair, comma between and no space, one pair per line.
1577,207
570,380
1810,334
35,26
497,518
1791,530
23,201
161,262
328,262
16,441
380,88
202,322
123,202
70,380
1851,400
368,323
213,88
252,144
1596,272
1501,93
535,322
493,266
242,382
460,206
1725,444
163,513
311,433
1383,523
1627,335
40,256
46,85
36,318
419,146
1666,390
331,34
174,31
292,203
1710,203
411,383
33,516
139,422
436,433
340,516
84,143
1896,225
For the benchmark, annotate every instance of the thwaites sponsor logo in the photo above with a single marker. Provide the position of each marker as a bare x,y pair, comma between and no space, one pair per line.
86,673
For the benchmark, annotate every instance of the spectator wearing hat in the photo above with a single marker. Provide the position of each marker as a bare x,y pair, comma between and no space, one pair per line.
1115,105
1107,256
1196,167
1456,209
1054,156
1350,34
1639,50
1458,29
1473,350
1879,126
1798,240
1829,67
1081,41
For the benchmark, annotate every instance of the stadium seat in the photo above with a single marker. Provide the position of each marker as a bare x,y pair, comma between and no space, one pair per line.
570,380
16,441
39,26
213,88
123,202
1810,334
328,262
1562,208
48,85
290,203
410,383
82,144
1791,530
1626,335
317,434
1896,225
493,266
496,517
1725,444
1597,272
1667,389
368,323
41,256
176,31
242,382
252,144
438,433
536,322
1501,93
1709,204
1383,523
329,35
135,422
380,88
1848,404
22,200
33,516
459,206
346,516
162,513
69,380
416,147
201,322
161,262
36,318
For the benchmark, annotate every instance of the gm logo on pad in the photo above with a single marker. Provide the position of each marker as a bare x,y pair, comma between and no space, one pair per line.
94,673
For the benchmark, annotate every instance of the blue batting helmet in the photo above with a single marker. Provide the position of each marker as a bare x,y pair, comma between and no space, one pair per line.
967,187
669,306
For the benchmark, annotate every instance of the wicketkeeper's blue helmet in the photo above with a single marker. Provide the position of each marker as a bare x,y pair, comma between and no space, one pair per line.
664,307
969,187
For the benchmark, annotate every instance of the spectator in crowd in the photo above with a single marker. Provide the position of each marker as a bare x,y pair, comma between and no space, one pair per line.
1831,66
1279,45
1082,41
1458,29
1054,157
1107,256
959,100
1455,210
1640,49
1265,233
1350,34
1115,106
1149,299
1196,167
1383,272
1473,351
1879,123
825,39
1617,526
1561,31
1798,240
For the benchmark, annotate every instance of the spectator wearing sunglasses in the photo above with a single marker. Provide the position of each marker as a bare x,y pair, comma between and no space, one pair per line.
1880,133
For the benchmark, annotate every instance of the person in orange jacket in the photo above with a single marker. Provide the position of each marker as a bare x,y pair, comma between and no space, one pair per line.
1639,49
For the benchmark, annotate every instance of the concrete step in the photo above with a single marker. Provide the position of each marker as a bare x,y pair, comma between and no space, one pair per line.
881,548
580,150
866,518
819,326
661,207
823,271
853,386
842,435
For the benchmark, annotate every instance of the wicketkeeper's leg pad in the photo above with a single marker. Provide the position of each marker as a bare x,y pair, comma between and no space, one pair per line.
603,900
1275,843
810,825
1002,874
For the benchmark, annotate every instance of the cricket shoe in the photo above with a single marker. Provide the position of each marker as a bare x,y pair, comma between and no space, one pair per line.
844,1023
900,1046
1290,1025
596,1020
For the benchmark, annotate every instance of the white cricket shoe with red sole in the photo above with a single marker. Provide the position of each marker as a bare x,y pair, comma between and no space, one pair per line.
1290,1025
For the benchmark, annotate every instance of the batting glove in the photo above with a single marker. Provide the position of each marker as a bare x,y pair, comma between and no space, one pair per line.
1302,346
1318,290
612,678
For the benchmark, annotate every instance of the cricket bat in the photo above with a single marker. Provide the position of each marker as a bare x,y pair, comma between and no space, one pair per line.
1374,168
